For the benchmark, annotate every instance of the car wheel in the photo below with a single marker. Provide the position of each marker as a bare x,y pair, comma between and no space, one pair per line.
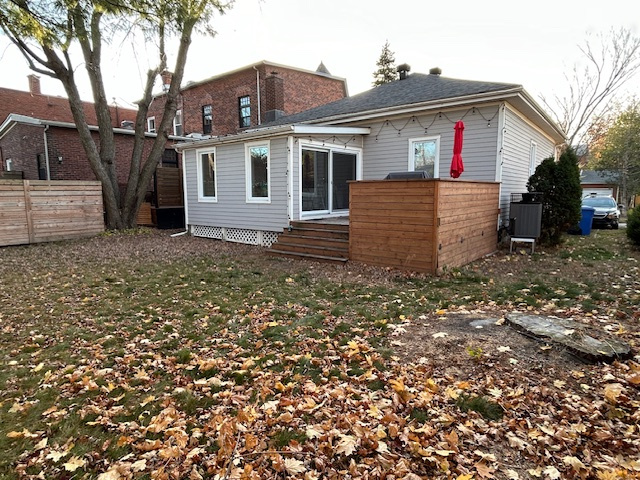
614,225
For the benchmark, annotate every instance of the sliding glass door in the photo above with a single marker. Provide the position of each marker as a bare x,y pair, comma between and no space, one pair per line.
325,177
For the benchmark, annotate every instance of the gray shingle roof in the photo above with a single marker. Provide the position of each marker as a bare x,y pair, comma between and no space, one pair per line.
416,88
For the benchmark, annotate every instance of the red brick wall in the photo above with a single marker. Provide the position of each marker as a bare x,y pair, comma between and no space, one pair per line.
23,143
302,90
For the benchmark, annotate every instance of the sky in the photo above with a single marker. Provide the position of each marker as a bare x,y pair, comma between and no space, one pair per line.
533,44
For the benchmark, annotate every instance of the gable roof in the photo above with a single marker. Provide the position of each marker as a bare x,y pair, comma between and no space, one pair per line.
420,91
53,108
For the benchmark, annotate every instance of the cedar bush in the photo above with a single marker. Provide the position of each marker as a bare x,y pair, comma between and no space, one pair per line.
633,225
562,195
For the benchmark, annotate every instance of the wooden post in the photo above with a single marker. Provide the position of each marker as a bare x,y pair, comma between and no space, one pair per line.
27,206
436,227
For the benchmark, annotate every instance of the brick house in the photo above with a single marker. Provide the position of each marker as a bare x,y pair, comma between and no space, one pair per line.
38,137
246,98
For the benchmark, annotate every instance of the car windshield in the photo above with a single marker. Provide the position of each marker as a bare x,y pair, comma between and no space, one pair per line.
599,202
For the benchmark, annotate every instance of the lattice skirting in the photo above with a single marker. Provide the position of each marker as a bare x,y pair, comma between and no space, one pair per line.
240,235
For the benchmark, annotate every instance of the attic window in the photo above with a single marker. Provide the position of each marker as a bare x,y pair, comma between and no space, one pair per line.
151,124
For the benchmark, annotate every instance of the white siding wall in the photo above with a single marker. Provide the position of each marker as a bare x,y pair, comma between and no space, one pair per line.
517,138
231,210
386,150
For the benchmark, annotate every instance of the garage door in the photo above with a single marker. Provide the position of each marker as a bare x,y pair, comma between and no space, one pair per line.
597,191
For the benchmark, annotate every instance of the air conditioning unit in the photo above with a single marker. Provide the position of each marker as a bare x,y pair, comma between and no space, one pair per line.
525,215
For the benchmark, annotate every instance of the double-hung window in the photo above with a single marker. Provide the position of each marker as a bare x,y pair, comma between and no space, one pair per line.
207,175
257,172
244,111
177,123
424,154
207,119
151,124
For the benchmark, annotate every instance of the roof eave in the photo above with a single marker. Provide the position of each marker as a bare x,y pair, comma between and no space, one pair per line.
290,129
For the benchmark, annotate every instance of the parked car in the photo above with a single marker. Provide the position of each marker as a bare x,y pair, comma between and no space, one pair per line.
607,212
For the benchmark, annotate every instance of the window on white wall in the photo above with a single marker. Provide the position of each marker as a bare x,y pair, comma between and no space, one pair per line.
424,154
151,124
257,172
207,176
532,158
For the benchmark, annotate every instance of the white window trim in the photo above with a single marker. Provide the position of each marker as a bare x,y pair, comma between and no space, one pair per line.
175,124
247,170
533,152
436,163
201,197
149,120
9,164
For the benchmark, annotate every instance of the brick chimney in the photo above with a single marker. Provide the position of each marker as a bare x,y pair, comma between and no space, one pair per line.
166,76
274,90
34,84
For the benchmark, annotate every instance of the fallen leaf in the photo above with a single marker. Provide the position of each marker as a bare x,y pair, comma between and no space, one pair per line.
111,474
293,466
484,470
346,445
74,463
552,472
440,335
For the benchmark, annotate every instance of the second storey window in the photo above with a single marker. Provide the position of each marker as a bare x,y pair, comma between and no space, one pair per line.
244,110
207,119
151,124
177,123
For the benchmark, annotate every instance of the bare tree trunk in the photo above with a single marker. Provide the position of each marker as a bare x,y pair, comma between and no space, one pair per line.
136,190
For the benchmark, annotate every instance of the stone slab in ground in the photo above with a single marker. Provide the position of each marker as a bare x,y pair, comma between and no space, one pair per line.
588,342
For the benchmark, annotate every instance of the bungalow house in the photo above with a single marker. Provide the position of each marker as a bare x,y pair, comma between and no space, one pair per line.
249,186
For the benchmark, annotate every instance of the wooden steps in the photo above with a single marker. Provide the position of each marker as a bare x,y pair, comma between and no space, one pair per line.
326,242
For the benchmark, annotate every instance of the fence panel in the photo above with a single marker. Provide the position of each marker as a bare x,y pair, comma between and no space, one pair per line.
33,211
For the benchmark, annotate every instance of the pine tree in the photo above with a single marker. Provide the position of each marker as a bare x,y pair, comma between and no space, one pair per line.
386,71
559,184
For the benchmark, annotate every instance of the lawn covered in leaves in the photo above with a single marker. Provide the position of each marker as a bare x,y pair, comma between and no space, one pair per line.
138,355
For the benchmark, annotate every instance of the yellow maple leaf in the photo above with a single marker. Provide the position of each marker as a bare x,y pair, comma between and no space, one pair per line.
464,476
74,463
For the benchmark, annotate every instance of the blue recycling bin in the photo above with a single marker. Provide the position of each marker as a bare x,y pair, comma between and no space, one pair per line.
586,220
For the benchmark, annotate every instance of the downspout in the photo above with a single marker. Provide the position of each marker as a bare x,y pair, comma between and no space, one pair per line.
290,179
184,194
258,90
46,151
500,158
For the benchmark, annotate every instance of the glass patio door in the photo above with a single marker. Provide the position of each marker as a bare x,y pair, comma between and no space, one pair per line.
325,177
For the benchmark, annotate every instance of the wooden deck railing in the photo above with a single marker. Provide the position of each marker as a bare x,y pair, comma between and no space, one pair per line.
422,225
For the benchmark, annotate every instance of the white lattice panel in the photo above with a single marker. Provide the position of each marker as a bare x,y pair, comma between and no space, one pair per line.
241,235
269,238
207,231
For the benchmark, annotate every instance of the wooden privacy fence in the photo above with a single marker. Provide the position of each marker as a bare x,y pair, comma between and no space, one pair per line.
422,225
34,211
